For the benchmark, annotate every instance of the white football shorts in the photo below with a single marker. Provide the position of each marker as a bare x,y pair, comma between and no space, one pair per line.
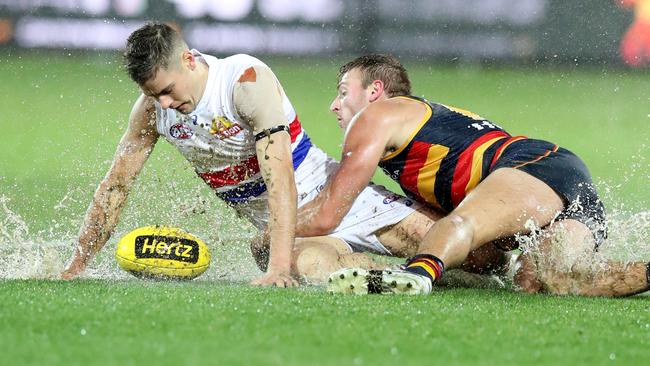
374,209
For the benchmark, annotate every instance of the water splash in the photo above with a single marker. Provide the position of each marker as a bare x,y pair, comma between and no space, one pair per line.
43,254
20,255
24,255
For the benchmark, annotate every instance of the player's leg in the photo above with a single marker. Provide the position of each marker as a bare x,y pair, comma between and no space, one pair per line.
404,239
501,206
565,263
506,203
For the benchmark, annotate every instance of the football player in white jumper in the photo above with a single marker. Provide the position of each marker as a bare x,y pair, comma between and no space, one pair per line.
232,121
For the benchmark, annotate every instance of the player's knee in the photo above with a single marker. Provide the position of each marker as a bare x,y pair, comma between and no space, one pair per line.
463,227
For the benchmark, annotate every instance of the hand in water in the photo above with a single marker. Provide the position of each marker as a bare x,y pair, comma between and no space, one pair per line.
277,279
75,268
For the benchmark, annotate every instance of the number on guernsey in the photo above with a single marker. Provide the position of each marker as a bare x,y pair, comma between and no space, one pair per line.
484,125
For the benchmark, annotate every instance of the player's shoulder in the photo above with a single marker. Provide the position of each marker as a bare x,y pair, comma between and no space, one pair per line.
144,103
242,60
390,109
143,112
251,68
386,117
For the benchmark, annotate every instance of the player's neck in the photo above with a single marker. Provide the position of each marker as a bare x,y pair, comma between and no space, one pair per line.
201,79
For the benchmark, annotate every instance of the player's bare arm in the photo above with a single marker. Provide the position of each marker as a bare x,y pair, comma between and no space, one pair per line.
258,99
102,216
367,139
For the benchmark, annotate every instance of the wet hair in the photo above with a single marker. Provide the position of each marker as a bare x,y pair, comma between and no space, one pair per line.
386,68
150,48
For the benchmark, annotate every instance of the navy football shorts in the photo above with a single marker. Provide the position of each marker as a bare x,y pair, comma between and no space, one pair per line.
566,174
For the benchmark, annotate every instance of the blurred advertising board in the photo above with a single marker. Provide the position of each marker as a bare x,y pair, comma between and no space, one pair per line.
586,30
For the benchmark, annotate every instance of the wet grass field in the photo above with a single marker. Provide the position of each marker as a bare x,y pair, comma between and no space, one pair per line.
137,323
61,117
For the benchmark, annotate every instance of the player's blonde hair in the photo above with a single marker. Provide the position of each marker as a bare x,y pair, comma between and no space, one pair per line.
150,48
386,68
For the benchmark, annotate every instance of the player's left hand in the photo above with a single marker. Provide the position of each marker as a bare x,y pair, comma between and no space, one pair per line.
75,268
277,279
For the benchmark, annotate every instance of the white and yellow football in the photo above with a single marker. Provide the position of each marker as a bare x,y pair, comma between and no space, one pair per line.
162,252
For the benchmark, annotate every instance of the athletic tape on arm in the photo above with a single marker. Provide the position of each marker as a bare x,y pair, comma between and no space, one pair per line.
270,131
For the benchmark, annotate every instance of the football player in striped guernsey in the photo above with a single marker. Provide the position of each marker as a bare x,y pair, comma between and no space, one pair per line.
490,185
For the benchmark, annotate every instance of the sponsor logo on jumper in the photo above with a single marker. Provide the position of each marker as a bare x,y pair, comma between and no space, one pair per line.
180,131
223,128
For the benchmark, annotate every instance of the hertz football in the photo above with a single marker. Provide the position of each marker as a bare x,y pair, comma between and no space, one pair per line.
162,252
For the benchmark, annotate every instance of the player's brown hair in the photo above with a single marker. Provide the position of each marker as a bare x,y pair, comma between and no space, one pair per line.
386,68
150,48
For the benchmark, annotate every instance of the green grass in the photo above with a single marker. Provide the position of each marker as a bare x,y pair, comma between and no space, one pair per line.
137,323
61,117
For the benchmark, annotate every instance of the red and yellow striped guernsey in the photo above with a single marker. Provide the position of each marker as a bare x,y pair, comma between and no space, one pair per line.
447,156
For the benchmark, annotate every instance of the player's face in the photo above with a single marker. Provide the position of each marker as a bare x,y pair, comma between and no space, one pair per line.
351,97
172,88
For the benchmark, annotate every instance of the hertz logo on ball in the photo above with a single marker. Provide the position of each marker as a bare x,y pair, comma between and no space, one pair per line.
162,252
167,247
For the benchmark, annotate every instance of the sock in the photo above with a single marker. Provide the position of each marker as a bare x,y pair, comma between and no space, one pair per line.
426,265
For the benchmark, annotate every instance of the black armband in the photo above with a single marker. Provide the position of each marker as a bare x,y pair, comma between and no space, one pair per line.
270,131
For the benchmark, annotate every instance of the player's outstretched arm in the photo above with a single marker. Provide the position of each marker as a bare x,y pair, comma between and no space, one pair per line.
109,198
258,99
365,143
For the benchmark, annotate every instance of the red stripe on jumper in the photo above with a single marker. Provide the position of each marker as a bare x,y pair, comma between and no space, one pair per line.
233,174
415,160
463,171
294,129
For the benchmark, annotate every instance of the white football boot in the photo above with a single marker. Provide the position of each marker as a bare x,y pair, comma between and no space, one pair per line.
388,281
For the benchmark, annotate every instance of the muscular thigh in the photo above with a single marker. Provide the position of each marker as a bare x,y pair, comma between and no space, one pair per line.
507,202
